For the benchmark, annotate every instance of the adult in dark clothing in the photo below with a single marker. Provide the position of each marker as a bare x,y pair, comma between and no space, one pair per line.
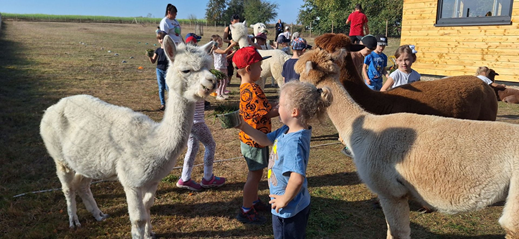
279,29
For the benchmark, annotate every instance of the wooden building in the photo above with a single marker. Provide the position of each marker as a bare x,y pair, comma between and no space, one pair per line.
455,37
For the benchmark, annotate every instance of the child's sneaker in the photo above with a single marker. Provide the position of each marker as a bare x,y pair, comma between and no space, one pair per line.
189,184
220,98
261,207
226,92
213,183
251,217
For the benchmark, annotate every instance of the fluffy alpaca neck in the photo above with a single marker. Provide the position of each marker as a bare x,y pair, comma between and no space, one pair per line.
175,126
243,42
343,111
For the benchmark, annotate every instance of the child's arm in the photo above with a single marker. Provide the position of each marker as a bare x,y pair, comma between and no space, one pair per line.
388,84
365,73
273,112
220,51
295,182
256,135
153,58
498,86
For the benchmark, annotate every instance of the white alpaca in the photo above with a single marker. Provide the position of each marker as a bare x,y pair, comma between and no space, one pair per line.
91,139
272,67
259,27
449,164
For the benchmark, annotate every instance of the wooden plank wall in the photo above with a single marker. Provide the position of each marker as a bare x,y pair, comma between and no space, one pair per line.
450,51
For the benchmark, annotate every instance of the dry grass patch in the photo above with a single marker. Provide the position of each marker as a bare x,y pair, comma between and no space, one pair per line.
42,62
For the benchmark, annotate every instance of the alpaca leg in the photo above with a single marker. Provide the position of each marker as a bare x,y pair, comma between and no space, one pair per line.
137,211
83,186
149,199
510,218
66,176
396,211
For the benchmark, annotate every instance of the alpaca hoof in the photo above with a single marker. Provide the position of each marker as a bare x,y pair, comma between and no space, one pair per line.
425,210
101,217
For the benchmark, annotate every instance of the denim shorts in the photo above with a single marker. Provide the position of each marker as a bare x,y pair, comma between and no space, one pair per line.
257,158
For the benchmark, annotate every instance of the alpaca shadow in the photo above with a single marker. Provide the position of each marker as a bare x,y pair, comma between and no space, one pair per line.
513,117
329,218
330,137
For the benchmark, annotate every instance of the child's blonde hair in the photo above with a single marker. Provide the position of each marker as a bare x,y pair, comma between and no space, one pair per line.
309,100
405,49
482,69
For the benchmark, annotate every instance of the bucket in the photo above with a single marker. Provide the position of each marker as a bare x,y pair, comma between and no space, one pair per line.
229,120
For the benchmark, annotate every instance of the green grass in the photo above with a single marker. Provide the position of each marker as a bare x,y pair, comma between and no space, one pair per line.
86,19
41,62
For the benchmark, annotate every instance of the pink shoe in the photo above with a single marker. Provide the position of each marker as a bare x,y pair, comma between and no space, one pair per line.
226,92
189,184
213,183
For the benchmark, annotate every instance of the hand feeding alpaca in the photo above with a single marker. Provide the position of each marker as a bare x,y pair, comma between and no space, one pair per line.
271,67
449,164
91,139
464,97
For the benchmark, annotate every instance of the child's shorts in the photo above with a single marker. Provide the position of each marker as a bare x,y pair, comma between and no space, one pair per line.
257,158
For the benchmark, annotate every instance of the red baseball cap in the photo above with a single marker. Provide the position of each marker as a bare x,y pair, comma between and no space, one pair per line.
191,39
247,56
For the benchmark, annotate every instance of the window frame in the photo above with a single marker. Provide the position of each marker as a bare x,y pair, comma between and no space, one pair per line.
472,21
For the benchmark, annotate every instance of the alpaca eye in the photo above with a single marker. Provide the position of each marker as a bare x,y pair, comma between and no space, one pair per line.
186,71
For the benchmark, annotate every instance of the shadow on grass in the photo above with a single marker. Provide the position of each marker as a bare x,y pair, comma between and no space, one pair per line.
21,109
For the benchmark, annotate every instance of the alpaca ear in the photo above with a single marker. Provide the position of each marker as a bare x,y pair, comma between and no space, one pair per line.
245,23
308,67
208,46
169,48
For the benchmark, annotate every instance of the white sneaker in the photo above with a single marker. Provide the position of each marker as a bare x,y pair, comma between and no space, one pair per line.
220,98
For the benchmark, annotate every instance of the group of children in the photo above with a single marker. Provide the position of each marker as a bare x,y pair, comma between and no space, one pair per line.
371,63
289,197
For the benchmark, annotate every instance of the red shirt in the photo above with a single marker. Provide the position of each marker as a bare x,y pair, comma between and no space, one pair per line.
357,19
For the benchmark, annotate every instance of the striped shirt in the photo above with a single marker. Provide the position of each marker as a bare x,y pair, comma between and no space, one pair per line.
199,112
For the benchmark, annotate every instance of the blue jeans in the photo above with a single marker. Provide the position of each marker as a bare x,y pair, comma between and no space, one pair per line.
161,80
293,227
376,84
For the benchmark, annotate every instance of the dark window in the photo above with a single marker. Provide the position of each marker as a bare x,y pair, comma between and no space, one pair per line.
474,12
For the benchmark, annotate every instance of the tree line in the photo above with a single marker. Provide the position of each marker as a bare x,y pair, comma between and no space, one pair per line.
321,15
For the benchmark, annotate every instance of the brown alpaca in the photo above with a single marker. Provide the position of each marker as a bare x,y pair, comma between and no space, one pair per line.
464,97
441,162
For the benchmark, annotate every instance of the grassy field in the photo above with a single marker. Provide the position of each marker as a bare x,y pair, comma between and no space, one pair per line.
42,62
89,19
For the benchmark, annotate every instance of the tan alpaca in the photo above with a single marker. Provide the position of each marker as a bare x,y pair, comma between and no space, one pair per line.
451,165
91,139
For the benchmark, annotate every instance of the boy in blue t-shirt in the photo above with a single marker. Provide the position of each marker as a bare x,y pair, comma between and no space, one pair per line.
375,65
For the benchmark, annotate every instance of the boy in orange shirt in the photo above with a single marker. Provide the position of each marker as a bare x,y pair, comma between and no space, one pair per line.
256,111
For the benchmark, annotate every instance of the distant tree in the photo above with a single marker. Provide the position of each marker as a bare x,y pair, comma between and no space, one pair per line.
336,12
149,15
192,18
214,12
233,7
260,11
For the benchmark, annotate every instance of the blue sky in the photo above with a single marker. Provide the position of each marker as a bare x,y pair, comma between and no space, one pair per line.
287,10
